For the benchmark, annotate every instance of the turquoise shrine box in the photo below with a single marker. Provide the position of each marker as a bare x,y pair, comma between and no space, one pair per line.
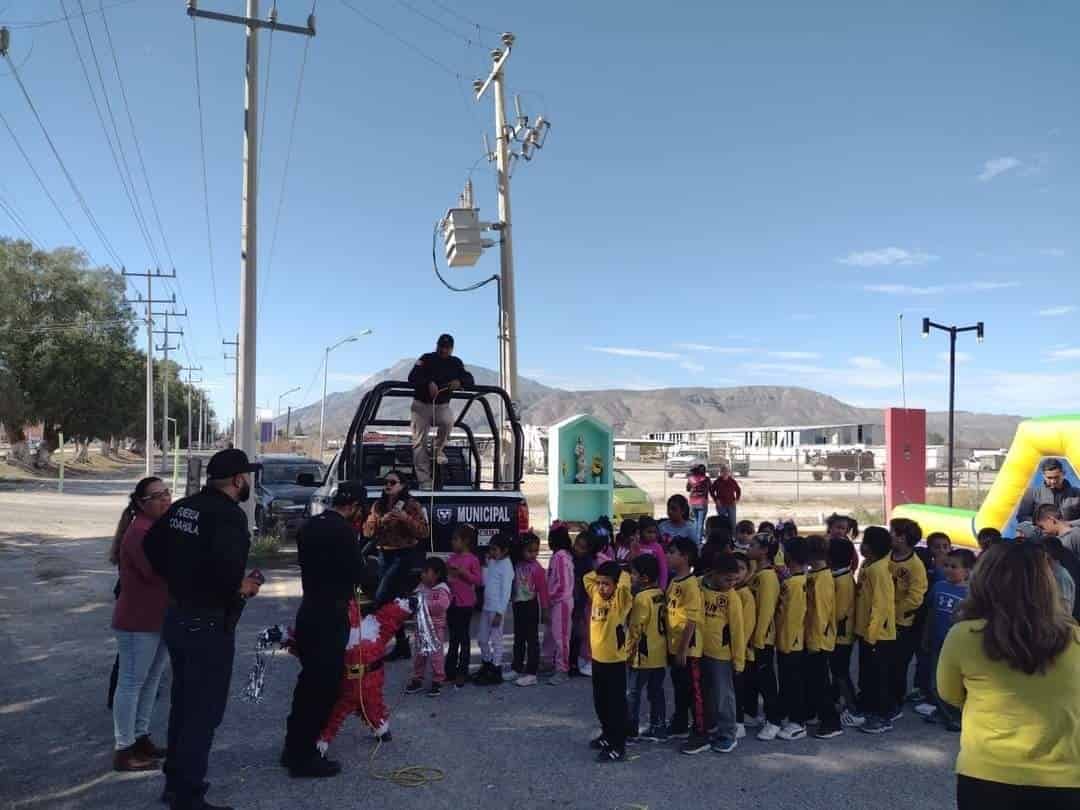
580,457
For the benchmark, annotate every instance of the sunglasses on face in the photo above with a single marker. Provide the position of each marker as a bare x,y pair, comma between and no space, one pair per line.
164,493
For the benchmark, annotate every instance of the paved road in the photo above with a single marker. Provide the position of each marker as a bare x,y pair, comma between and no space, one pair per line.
500,747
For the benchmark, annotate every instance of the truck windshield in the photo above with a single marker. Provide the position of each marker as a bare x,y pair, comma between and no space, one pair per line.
287,473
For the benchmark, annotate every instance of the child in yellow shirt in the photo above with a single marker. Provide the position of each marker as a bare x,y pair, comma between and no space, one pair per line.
684,617
820,638
910,583
841,551
765,587
610,601
723,649
749,617
647,650
875,626
791,643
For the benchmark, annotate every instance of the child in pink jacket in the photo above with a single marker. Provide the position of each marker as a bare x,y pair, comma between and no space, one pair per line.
560,585
530,600
436,593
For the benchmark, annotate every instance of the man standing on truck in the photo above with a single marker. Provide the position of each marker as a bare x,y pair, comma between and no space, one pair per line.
435,375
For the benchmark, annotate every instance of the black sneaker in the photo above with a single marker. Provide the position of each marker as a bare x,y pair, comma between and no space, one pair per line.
827,733
414,686
611,755
599,743
315,768
677,732
695,745
385,737
632,739
435,690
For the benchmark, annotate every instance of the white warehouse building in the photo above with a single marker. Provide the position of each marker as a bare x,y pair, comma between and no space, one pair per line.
780,439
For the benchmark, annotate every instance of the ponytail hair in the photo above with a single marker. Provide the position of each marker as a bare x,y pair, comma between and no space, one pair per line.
131,511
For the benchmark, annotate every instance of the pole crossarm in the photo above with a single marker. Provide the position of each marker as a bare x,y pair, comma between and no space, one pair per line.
270,22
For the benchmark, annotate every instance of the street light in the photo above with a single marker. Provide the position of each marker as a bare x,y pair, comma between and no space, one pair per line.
290,391
953,331
326,371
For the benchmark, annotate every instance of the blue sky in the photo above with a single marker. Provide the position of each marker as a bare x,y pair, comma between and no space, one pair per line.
730,193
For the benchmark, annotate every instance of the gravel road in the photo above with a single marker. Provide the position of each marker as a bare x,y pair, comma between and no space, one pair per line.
499,747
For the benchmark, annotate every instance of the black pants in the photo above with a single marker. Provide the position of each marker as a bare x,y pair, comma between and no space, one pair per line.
740,692
791,668
609,700
819,691
903,649
321,633
526,637
980,794
457,657
762,681
843,690
875,697
689,697
201,649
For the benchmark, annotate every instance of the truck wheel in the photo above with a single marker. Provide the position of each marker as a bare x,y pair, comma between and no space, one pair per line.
834,475
867,476
849,476
818,475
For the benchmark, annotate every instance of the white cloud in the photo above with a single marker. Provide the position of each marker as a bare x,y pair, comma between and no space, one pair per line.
864,372
691,366
705,347
968,286
961,357
348,379
1053,312
863,362
1056,253
998,166
795,355
625,352
1070,353
884,257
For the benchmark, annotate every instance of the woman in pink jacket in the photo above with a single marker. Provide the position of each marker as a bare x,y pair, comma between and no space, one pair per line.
137,621
560,586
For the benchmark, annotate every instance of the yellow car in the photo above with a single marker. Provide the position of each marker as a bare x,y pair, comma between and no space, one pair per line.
630,500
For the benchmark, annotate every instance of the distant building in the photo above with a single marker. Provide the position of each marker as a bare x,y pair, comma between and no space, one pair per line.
783,438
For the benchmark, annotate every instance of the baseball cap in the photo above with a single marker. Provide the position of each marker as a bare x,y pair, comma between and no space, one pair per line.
349,492
227,463
445,340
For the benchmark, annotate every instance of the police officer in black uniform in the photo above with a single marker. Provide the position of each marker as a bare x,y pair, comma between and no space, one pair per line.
331,566
200,548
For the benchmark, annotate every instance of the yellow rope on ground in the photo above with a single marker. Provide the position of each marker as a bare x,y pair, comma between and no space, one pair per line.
407,775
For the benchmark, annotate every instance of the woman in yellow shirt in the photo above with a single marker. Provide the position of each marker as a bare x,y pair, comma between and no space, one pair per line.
1012,663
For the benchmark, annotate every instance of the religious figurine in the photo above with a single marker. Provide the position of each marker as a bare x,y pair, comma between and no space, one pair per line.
579,455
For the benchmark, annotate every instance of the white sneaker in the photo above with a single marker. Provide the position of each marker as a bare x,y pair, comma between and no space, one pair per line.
851,720
441,459
740,731
768,732
527,680
792,731
585,668
753,721
925,709
511,675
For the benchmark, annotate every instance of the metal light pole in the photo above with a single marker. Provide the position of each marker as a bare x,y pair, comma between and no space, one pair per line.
952,331
326,371
290,391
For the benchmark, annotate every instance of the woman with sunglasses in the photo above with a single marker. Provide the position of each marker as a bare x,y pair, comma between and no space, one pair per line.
397,524
137,620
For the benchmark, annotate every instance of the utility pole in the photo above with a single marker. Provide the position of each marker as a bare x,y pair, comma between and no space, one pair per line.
245,431
202,416
235,357
166,348
189,369
150,301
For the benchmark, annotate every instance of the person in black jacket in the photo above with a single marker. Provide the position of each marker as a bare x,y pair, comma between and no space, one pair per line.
331,566
435,375
200,548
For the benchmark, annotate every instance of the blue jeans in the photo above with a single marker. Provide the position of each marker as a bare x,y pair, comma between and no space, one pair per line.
698,514
650,681
719,698
142,659
391,567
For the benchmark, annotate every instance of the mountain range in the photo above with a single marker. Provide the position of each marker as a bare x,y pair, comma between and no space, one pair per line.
636,412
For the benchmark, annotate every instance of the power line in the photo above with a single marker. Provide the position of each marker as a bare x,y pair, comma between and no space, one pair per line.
394,35
18,221
66,17
265,98
134,133
44,188
206,187
105,130
284,174
439,24
63,167
462,18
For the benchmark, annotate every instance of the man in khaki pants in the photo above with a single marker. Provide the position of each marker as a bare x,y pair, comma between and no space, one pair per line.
435,375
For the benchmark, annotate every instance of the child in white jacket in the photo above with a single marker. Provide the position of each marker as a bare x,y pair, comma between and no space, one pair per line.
498,582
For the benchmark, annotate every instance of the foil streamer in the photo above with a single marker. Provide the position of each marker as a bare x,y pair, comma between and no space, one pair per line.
426,636
265,643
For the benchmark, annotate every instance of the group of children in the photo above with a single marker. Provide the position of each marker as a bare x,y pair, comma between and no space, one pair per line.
763,622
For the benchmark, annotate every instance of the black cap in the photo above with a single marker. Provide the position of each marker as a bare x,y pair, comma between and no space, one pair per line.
445,340
227,463
350,492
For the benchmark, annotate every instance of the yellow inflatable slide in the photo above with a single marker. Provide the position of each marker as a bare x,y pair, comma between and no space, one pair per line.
1035,439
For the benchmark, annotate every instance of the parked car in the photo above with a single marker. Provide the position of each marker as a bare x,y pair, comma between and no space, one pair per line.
682,463
630,500
283,488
